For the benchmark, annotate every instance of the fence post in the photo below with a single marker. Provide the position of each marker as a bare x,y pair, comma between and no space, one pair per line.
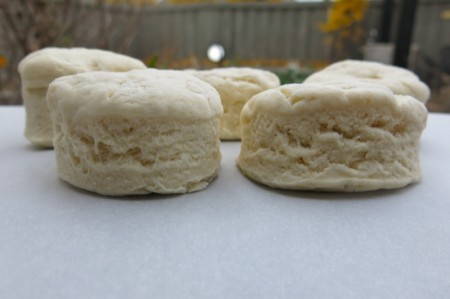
404,32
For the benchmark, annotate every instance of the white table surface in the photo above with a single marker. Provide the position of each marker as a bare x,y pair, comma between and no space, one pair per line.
236,239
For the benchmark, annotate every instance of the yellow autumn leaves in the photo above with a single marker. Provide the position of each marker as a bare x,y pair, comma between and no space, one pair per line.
343,25
343,14
3,61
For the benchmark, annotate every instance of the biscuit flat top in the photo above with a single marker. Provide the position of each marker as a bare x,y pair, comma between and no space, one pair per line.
42,66
401,81
368,69
138,93
239,77
295,98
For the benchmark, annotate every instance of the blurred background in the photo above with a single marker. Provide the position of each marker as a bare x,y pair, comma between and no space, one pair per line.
291,38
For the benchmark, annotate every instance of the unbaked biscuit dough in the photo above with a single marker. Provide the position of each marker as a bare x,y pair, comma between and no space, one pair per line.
40,68
335,136
236,86
137,132
401,81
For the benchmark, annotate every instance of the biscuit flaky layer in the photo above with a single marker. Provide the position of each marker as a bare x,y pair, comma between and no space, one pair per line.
334,137
137,132
117,156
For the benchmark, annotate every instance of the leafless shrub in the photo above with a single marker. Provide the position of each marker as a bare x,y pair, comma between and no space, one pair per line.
29,25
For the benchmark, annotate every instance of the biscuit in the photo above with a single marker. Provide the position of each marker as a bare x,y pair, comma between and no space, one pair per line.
40,68
401,81
136,132
335,136
236,86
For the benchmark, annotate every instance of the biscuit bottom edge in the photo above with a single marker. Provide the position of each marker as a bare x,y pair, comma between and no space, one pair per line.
337,184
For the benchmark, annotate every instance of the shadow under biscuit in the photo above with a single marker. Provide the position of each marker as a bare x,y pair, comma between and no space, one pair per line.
36,148
135,197
380,194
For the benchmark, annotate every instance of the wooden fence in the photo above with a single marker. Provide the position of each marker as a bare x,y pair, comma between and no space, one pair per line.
270,31
286,31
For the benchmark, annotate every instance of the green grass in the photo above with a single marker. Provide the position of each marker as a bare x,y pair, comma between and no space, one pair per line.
288,76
